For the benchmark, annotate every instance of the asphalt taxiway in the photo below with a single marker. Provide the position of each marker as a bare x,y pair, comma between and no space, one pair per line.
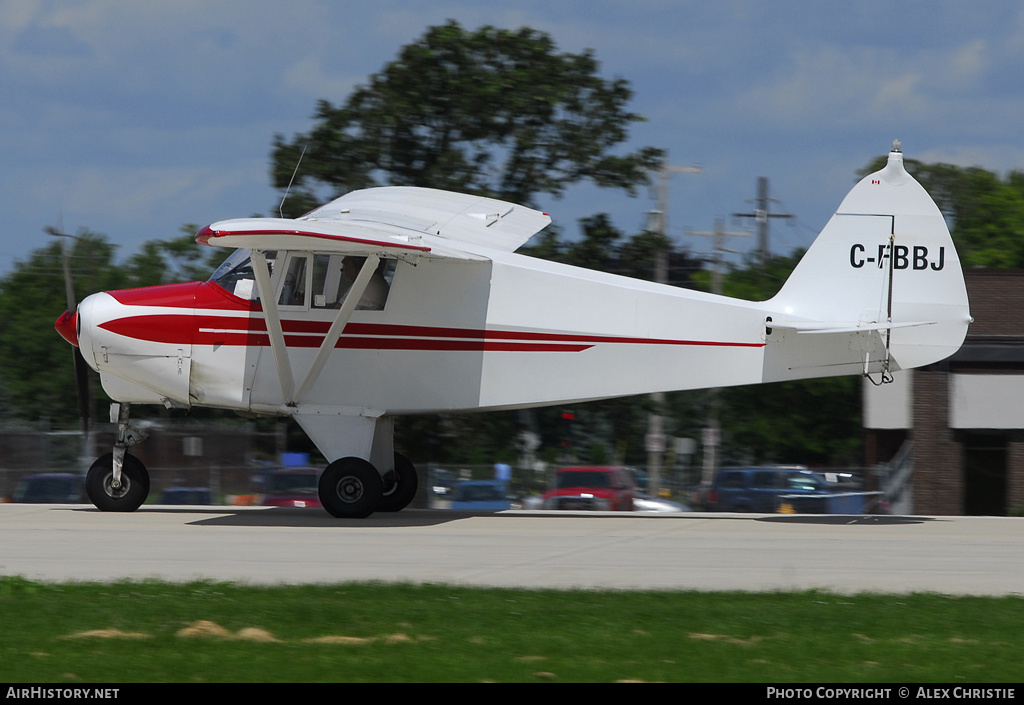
689,551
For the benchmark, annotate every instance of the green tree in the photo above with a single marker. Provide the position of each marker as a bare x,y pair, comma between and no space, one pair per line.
179,259
495,112
596,249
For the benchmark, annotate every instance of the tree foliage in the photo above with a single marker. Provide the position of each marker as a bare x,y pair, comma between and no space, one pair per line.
176,260
494,112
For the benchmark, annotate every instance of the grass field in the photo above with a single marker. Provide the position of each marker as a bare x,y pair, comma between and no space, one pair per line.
214,632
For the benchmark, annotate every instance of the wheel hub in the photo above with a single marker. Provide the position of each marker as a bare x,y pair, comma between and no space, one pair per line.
350,489
116,490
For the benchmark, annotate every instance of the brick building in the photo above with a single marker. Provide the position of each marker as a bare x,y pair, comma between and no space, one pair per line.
952,434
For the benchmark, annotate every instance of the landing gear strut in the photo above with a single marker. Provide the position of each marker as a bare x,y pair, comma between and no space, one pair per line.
362,444
118,482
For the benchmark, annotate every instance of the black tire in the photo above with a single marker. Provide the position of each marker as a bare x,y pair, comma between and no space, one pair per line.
401,491
350,488
134,484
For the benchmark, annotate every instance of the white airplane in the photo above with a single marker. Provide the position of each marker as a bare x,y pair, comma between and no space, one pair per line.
399,300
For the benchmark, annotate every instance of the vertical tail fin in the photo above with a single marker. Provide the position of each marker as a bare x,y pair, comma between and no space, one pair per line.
880,288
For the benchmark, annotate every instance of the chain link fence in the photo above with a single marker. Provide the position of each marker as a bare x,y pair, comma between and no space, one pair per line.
222,458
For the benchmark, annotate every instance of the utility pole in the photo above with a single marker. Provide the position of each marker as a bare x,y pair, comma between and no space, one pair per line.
658,222
655,439
761,215
711,436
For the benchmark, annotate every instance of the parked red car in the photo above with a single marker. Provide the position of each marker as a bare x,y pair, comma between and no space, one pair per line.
606,489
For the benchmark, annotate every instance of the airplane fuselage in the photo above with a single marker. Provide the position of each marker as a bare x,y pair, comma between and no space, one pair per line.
505,332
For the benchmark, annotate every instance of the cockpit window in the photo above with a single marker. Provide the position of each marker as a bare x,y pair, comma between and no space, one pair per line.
236,276
333,276
293,292
316,281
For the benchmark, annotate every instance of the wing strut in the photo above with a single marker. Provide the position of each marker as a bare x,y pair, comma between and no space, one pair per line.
277,343
273,318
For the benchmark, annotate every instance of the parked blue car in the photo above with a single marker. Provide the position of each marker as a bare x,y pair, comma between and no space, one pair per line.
759,489
481,496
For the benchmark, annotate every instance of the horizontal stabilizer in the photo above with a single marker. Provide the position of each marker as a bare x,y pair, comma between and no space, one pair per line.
846,328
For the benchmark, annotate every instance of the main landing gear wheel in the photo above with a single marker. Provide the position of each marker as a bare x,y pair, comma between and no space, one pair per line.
99,484
400,486
350,488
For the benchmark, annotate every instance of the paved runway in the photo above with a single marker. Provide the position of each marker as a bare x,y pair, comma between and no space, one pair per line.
954,555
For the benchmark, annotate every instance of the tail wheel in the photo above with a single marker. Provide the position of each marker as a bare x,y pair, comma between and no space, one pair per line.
401,489
350,488
129,496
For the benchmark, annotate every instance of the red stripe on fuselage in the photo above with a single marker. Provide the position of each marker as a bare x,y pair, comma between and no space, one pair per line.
248,330
185,329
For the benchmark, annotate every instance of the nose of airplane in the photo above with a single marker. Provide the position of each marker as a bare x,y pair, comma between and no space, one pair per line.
67,326
82,327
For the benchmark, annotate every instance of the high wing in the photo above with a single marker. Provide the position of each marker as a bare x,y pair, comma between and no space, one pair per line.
402,221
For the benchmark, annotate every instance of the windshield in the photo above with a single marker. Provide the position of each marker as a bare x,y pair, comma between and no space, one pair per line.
235,275
805,481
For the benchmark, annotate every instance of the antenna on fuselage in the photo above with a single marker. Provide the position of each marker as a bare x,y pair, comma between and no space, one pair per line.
280,208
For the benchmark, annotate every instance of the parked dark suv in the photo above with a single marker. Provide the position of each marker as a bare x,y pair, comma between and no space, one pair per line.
759,489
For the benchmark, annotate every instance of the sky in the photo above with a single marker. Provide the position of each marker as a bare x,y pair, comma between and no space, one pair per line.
134,119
